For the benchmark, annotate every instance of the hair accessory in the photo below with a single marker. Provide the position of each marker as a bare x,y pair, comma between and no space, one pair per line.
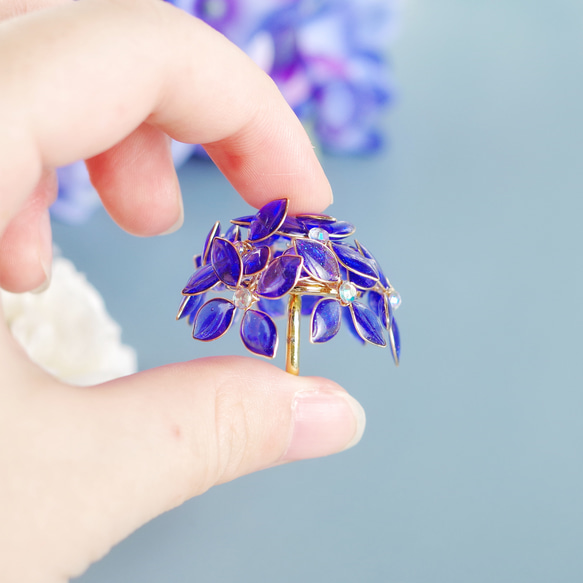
305,258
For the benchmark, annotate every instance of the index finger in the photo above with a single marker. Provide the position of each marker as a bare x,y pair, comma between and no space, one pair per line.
78,78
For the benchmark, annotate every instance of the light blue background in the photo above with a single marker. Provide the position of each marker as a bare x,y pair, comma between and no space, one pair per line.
471,466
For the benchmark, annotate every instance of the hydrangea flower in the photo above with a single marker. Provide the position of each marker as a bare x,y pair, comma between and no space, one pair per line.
67,331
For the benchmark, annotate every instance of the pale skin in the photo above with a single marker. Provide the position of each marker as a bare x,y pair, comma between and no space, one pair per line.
109,81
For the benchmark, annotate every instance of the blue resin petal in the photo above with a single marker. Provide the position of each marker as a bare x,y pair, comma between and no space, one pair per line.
268,219
291,226
339,229
213,319
233,234
347,317
367,324
360,281
325,320
280,277
395,340
206,250
189,306
275,308
315,220
259,334
308,303
201,280
319,261
382,277
243,221
197,260
256,260
354,261
380,306
226,262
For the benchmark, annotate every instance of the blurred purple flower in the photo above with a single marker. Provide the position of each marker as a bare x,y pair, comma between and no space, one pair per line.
328,58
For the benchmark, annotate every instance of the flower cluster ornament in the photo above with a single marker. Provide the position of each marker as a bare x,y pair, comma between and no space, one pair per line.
303,257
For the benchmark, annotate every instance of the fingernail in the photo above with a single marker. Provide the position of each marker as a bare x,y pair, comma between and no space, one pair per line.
180,220
324,422
45,253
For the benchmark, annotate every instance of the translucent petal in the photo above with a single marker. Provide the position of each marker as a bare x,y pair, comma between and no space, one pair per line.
380,306
395,341
360,281
268,219
256,260
189,306
308,303
206,250
292,226
213,319
367,324
275,308
226,261
348,322
259,334
233,234
354,261
325,320
201,280
319,261
243,221
280,276
382,277
339,229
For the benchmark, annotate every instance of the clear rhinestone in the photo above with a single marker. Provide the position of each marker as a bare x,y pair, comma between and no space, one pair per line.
242,298
318,234
394,299
348,292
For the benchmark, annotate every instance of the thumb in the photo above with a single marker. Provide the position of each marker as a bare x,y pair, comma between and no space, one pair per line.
144,444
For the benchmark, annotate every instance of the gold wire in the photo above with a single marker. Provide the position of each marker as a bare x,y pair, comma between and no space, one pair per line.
292,361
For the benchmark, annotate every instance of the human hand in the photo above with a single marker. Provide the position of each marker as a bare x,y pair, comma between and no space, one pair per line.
108,81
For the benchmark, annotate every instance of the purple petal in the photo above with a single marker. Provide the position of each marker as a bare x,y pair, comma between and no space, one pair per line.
339,229
291,226
315,220
395,341
380,306
201,280
319,261
383,278
360,281
213,319
206,252
233,234
354,261
308,303
259,333
275,308
349,323
367,324
189,306
243,221
325,320
268,219
226,262
256,260
280,277
197,260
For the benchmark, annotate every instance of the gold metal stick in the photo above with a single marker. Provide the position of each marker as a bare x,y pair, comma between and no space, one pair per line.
294,312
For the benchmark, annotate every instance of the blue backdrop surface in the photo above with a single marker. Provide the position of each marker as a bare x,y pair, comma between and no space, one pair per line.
471,466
